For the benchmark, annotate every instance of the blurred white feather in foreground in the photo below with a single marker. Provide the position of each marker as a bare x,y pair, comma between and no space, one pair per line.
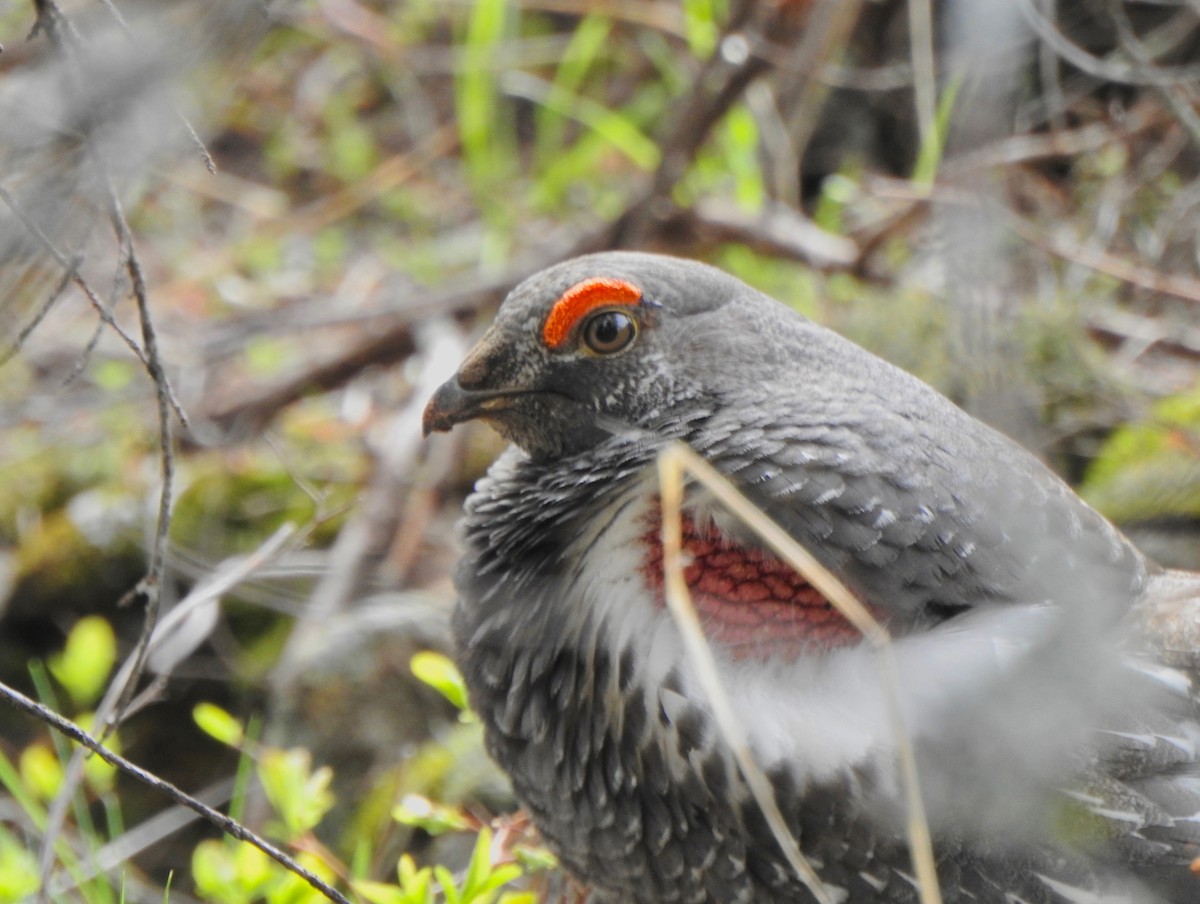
91,106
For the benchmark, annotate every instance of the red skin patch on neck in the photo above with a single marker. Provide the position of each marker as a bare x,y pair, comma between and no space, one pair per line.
750,602
579,300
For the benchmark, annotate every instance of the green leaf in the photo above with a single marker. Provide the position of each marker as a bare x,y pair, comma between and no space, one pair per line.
267,357
219,724
501,875
41,772
255,870
18,870
415,882
741,145
418,811
21,793
100,775
837,192
352,151
480,866
1150,468
445,879
215,873
113,376
414,887
536,859
700,27
485,151
292,889
580,54
87,659
483,877
929,158
299,794
617,129
382,893
441,674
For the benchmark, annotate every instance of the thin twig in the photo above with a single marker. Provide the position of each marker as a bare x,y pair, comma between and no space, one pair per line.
386,343
717,86
69,45
1055,100
150,587
1106,69
1145,277
66,279
1135,274
226,824
1014,150
215,584
68,265
830,25
777,229
85,356
1181,106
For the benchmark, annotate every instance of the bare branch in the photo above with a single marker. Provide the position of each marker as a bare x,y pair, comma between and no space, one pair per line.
1103,68
225,823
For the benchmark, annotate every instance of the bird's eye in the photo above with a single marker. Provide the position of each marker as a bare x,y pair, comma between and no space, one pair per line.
607,332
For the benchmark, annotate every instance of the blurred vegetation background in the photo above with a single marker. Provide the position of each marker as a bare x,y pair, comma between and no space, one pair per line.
286,221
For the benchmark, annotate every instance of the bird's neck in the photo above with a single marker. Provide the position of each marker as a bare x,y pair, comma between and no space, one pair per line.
551,577
592,531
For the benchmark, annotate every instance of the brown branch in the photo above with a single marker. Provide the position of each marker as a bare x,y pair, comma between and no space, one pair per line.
1017,149
1102,67
1145,332
778,230
68,45
150,587
720,82
389,344
1101,261
1177,98
1140,275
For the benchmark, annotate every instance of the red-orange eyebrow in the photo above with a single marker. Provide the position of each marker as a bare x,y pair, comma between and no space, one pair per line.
583,297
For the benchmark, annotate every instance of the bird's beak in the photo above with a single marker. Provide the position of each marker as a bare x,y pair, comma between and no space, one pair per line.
451,405
469,394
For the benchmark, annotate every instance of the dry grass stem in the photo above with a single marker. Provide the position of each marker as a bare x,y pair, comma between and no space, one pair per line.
675,463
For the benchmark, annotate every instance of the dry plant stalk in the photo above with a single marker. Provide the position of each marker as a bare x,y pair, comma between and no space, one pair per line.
676,463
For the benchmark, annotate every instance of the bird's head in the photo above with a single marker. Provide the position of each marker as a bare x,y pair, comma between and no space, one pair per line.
604,342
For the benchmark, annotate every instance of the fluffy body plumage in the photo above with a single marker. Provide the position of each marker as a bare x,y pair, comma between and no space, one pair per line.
1058,749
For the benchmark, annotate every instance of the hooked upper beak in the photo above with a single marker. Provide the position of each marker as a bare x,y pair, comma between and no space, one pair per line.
452,404
472,392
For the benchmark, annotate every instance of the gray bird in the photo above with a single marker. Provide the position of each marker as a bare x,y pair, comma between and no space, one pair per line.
1044,668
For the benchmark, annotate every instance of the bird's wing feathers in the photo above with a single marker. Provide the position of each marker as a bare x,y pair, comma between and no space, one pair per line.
917,506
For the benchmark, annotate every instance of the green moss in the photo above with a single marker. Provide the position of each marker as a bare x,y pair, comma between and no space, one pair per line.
1151,468
43,470
1075,386
60,568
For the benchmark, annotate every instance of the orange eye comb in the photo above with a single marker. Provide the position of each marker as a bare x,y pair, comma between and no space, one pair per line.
581,298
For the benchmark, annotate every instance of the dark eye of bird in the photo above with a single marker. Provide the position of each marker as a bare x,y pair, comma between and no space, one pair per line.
608,332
